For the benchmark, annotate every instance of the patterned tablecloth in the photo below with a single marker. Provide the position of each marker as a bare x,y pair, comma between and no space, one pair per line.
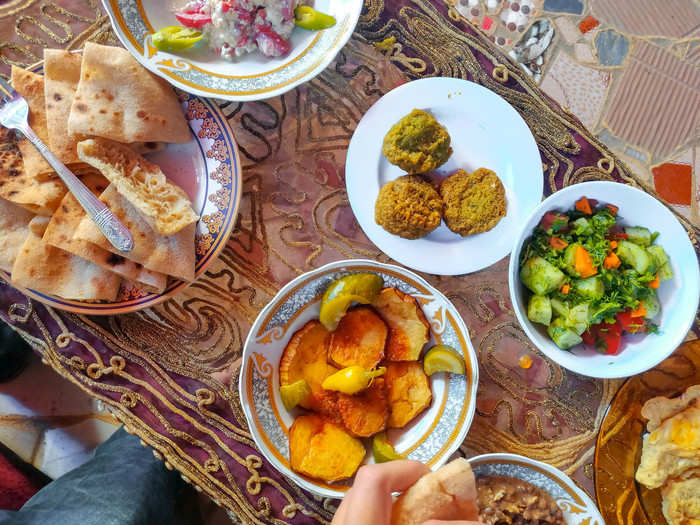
153,368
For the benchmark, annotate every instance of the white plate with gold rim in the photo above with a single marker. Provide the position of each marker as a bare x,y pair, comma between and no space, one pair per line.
431,438
203,72
576,506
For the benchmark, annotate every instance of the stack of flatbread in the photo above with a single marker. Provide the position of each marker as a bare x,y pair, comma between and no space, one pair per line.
97,111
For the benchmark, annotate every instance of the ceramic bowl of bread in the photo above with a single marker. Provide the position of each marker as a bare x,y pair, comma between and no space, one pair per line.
165,163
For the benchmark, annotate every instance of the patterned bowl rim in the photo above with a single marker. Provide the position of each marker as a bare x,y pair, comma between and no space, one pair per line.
311,484
144,52
174,285
578,496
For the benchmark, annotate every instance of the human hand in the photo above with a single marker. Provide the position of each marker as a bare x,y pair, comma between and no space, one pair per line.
369,500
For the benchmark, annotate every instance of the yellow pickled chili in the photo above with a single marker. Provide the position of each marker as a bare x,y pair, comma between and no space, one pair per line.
384,451
352,379
176,38
307,17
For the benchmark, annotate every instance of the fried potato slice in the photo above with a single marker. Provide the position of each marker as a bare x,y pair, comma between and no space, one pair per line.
365,413
359,339
409,391
323,450
305,357
409,330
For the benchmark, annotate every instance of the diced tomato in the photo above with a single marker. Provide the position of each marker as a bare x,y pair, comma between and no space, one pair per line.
631,324
589,336
557,243
611,343
549,218
583,205
612,209
270,42
194,20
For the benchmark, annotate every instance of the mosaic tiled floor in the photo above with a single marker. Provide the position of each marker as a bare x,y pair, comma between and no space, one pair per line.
629,70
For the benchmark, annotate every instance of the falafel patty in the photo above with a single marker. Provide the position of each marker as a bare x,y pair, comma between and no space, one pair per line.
408,207
474,203
417,143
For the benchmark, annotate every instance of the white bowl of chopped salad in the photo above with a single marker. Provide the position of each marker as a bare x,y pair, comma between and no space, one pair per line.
604,279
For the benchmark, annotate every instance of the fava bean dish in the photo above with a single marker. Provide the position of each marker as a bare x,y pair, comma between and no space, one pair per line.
591,278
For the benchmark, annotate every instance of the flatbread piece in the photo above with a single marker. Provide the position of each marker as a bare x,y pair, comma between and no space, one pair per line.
14,228
119,99
168,254
31,87
66,220
53,271
166,205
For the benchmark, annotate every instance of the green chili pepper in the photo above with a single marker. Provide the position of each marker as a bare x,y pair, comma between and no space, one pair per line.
308,18
175,38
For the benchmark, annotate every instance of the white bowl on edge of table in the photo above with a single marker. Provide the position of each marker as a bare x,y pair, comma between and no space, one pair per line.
431,437
576,506
678,296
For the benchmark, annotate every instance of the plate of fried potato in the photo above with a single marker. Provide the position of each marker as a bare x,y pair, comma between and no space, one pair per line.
164,162
338,370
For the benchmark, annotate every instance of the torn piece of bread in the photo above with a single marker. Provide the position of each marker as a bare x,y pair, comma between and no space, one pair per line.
449,493
143,183
168,254
14,228
53,271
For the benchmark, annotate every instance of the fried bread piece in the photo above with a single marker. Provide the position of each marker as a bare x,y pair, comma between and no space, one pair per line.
408,328
323,450
359,339
365,413
409,391
673,446
681,499
305,357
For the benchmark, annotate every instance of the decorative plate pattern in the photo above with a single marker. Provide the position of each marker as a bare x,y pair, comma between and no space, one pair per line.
213,182
618,450
430,439
250,77
577,507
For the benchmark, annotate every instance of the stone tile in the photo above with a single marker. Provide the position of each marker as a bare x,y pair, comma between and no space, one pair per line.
584,52
581,89
567,29
670,18
21,435
64,449
612,47
564,6
673,182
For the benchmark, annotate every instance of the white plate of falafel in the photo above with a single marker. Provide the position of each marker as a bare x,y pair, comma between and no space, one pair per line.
440,173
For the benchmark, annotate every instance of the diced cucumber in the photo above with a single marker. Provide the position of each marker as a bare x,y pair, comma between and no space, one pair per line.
665,272
539,309
559,308
582,226
638,235
562,336
541,276
578,318
651,305
659,255
569,259
593,287
634,255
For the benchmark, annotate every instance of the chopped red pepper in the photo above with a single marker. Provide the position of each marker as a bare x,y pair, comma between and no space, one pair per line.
583,205
557,243
549,218
612,209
